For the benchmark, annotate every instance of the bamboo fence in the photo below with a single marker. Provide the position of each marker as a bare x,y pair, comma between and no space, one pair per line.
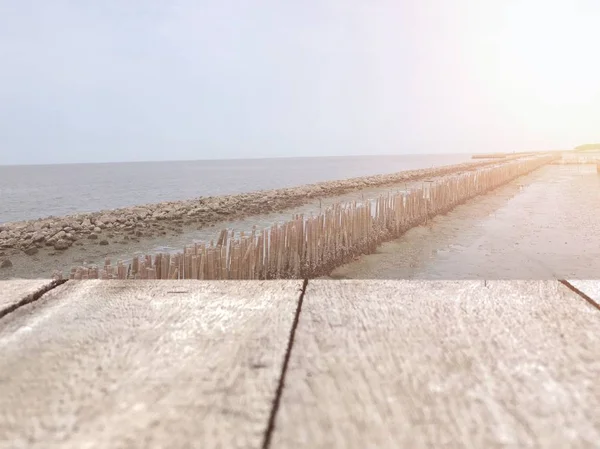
310,246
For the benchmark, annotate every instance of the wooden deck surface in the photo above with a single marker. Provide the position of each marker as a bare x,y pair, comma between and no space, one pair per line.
20,291
286,364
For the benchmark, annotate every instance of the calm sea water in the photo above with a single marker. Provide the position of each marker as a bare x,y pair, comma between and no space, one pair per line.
34,191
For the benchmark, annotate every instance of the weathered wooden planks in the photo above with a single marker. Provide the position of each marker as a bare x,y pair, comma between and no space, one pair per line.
16,291
410,364
152,364
591,288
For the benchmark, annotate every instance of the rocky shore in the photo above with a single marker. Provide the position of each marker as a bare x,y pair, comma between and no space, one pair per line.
153,220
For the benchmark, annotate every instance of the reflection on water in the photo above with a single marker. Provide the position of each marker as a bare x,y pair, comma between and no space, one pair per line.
542,226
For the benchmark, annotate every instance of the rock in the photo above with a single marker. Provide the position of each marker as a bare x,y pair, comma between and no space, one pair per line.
86,223
59,235
139,234
10,243
38,237
67,229
4,235
103,242
62,244
108,219
31,251
97,229
93,236
6,264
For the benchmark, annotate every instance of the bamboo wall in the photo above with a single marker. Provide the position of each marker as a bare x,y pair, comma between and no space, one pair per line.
311,246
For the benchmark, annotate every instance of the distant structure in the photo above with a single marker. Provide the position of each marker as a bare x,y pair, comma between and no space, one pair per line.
588,147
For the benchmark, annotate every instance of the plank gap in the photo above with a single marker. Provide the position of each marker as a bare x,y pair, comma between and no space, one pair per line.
32,297
575,290
278,393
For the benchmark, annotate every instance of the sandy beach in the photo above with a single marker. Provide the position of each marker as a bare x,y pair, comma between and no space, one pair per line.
120,234
541,226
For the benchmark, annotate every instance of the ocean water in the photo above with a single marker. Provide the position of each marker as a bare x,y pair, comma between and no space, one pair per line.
33,191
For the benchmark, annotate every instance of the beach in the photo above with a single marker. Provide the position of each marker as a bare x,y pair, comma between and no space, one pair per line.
36,248
544,225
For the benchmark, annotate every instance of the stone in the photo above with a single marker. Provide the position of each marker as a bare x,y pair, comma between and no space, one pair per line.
108,219
10,243
61,245
31,251
97,229
59,235
38,237
6,264
86,223
103,242
93,236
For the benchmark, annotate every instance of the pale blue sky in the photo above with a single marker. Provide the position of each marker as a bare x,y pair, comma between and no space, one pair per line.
122,80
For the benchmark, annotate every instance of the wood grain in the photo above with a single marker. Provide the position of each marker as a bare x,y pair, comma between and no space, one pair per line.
154,364
15,291
591,288
412,364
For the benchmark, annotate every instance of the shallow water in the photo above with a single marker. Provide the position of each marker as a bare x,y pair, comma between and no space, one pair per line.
542,226
47,260
29,192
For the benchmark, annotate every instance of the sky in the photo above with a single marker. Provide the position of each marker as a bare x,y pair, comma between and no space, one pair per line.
114,80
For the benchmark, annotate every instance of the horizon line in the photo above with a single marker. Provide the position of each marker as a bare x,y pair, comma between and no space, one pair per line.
253,158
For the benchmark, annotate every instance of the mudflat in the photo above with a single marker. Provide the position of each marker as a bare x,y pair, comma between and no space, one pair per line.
541,226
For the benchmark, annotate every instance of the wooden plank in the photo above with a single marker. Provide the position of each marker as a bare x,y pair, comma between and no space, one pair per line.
114,364
591,288
413,364
17,291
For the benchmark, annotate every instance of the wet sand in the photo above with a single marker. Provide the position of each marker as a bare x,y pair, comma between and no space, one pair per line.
171,238
35,249
545,225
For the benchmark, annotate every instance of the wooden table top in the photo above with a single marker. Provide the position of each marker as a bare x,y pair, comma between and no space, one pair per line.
295,364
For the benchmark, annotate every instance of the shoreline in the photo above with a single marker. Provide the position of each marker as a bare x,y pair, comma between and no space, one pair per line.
146,234
307,247
62,232
542,226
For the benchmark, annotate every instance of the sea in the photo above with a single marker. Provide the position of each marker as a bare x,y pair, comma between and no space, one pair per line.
29,192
